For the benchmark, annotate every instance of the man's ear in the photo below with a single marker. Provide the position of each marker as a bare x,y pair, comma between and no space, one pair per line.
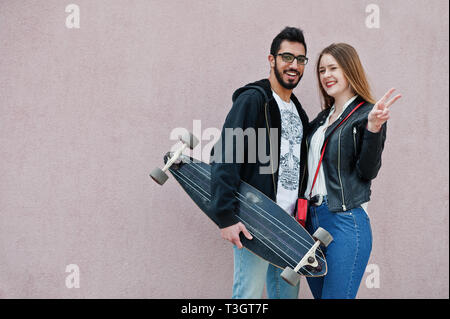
271,60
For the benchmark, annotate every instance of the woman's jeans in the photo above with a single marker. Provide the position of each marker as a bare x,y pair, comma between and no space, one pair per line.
347,255
252,272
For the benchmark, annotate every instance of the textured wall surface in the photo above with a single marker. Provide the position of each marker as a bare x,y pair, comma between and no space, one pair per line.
87,112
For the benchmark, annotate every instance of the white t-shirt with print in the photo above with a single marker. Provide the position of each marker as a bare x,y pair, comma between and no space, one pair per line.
289,166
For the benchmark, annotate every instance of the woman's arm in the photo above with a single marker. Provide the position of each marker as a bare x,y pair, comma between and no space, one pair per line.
369,161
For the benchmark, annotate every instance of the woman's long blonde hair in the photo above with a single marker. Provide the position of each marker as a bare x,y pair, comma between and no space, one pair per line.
348,59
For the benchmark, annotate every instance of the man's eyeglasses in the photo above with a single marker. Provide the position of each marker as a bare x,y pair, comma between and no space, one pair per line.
289,58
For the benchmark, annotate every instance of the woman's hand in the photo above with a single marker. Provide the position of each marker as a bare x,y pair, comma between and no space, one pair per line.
380,112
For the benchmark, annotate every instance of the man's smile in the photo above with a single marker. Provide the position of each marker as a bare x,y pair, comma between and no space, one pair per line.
292,75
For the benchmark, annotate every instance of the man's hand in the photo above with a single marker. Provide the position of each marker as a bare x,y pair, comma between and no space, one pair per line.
231,233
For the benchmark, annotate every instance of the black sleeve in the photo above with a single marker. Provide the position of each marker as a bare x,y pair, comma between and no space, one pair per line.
225,175
369,161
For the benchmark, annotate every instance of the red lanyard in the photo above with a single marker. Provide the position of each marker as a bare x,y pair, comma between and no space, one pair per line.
325,145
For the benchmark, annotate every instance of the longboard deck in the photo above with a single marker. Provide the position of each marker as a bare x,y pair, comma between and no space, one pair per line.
277,237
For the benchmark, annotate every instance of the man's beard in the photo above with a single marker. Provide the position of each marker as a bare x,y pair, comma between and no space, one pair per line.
286,85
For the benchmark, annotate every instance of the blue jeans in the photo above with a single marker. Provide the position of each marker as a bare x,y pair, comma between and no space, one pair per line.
252,272
348,253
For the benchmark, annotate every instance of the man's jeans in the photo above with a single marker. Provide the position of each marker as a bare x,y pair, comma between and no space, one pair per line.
348,253
252,272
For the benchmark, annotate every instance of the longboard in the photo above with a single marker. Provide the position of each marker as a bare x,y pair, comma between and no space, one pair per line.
277,237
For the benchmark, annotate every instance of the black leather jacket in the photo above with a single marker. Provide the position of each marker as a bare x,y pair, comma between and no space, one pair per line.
352,157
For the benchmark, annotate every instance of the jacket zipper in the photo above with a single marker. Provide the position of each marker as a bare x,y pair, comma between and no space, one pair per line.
339,171
304,168
270,149
354,139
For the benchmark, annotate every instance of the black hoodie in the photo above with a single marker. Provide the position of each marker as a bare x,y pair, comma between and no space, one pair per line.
251,109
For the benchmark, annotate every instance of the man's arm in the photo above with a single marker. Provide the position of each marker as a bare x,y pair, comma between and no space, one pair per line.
225,176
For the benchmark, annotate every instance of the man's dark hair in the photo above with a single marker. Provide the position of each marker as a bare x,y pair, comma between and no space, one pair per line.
290,34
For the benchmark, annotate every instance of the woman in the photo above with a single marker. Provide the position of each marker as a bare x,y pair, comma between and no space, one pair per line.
353,127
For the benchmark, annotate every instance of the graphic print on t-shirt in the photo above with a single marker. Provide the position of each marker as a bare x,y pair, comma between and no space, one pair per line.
290,144
291,133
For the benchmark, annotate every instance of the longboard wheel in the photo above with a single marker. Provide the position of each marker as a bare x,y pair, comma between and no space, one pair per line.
189,139
323,236
159,176
290,276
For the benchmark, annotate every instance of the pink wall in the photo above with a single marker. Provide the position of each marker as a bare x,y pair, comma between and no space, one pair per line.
87,112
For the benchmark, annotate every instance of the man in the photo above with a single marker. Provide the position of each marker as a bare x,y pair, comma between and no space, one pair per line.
270,108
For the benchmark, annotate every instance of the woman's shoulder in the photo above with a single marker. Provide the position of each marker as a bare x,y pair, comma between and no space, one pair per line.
321,115
365,109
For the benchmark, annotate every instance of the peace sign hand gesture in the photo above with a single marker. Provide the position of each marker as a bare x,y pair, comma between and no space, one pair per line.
380,112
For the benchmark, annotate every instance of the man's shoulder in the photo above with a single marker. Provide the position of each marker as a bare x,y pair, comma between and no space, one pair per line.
250,98
252,94
258,90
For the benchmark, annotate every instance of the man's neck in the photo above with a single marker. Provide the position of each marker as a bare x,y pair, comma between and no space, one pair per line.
282,92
